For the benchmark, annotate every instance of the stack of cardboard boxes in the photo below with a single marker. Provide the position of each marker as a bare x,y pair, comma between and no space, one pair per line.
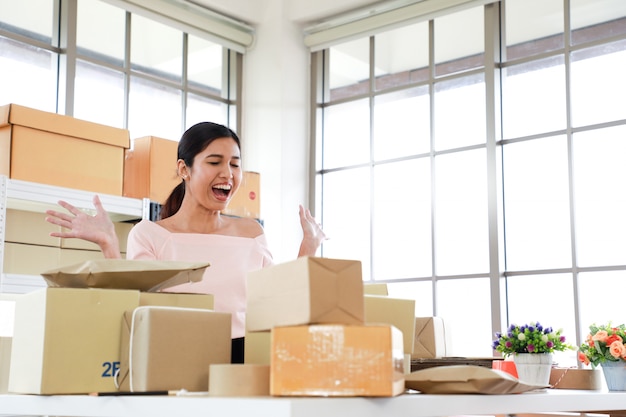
313,309
70,340
309,319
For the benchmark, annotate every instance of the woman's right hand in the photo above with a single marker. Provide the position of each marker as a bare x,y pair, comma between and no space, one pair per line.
98,228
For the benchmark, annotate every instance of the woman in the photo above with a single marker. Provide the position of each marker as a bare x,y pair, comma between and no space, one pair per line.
192,227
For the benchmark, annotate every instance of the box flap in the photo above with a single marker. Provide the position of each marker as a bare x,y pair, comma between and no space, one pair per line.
337,287
64,125
125,274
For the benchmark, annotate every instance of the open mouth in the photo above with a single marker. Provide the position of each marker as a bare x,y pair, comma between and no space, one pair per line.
222,191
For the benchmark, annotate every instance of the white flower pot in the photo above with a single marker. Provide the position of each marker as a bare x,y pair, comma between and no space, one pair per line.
533,368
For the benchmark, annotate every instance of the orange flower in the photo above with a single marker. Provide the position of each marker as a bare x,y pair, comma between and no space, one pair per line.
600,336
617,349
612,338
583,358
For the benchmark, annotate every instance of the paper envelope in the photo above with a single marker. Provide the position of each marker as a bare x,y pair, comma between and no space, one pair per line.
308,290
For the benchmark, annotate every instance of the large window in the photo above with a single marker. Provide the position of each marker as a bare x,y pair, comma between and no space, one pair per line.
483,179
98,62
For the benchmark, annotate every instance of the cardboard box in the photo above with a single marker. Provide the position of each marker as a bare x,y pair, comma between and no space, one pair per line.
27,259
257,349
67,340
69,152
375,289
398,312
337,360
150,169
171,348
247,201
308,290
30,228
5,363
430,338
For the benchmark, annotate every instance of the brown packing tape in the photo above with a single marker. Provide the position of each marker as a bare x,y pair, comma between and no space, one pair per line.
239,380
573,378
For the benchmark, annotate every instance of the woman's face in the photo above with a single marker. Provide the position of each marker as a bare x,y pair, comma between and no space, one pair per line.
216,174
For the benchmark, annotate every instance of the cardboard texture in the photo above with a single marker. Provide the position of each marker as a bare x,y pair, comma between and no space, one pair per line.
171,348
573,378
31,228
126,274
239,380
398,312
466,379
247,201
5,363
67,340
150,169
430,338
308,290
257,348
27,259
99,168
375,289
337,360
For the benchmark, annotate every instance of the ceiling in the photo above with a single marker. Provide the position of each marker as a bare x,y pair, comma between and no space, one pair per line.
300,11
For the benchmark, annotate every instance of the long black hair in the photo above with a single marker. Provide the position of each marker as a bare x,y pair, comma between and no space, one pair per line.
191,143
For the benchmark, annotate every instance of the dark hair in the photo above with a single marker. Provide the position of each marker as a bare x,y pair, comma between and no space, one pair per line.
191,143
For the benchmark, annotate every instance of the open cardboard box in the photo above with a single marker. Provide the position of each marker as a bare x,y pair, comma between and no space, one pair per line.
67,340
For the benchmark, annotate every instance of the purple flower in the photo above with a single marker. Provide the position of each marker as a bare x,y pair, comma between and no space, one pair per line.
508,344
531,348
562,339
531,329
550,344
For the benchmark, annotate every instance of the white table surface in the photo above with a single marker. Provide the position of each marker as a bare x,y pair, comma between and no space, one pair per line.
407,405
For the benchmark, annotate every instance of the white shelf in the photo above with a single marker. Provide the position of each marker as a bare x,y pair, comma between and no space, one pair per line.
408,405
35,197
29,196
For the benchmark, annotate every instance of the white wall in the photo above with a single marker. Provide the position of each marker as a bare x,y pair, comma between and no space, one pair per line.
276,106
275,125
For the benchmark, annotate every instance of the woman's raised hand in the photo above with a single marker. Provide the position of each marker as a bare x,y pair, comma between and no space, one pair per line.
77,224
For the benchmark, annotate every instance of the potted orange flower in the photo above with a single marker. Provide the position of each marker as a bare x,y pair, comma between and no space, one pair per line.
604,346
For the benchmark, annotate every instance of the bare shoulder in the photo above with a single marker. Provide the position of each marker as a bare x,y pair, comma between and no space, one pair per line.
245,227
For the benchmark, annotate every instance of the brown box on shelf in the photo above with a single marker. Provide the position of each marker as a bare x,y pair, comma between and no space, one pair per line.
337,360
69,152
150,169
247,201
305,291
30,228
